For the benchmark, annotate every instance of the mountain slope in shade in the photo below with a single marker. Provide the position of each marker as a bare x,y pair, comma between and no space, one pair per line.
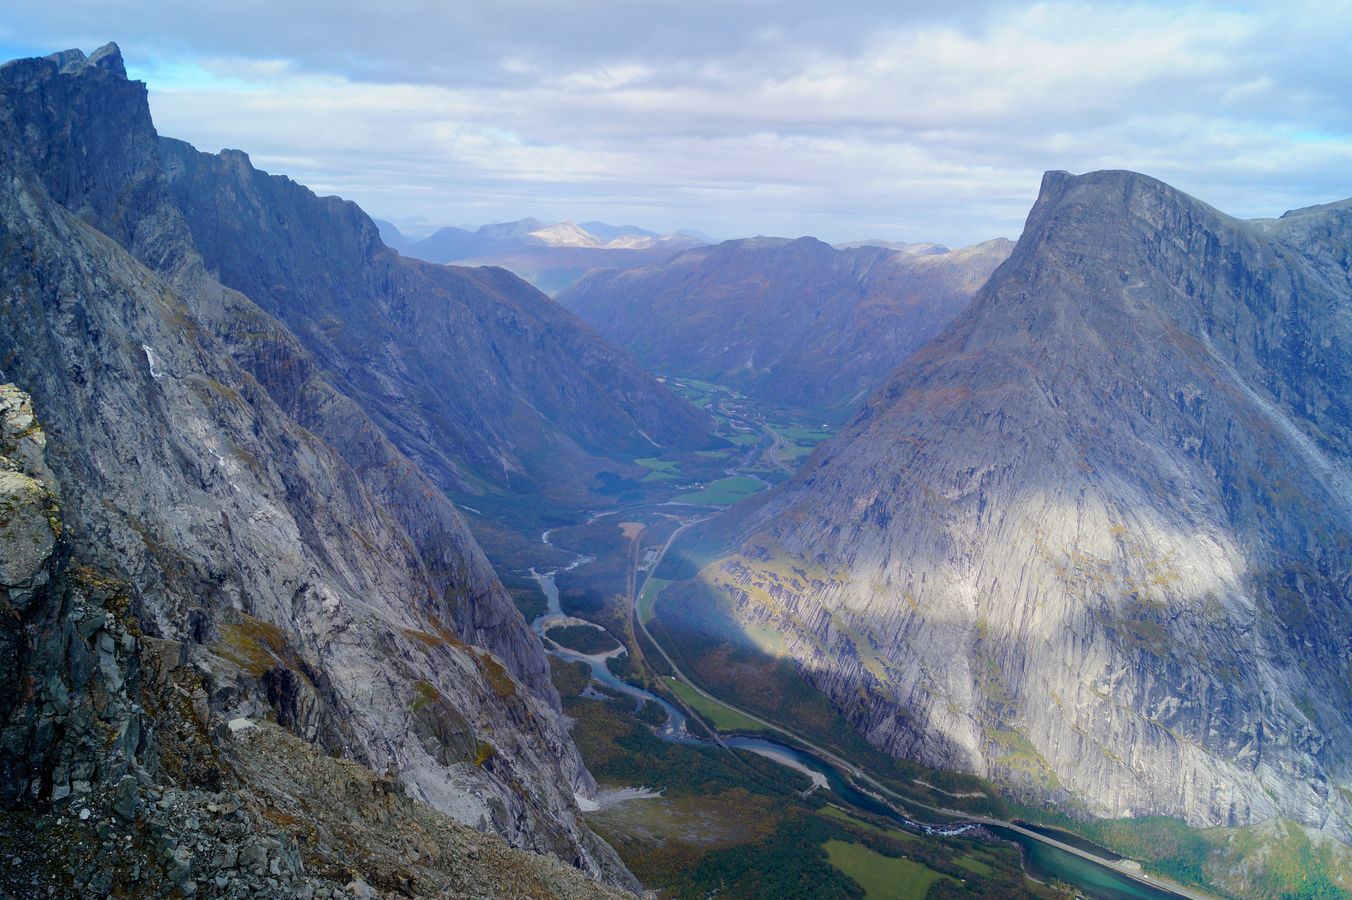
473,373
1095,541
481,380
549,256
794,322
240,506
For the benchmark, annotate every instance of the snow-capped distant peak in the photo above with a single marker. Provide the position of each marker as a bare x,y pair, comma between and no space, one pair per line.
565,234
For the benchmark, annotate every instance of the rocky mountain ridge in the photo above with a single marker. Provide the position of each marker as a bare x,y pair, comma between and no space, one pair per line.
218,492
1095,540
797,323
481,380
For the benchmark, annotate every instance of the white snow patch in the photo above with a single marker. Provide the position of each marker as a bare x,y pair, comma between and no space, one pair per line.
150,360
220,461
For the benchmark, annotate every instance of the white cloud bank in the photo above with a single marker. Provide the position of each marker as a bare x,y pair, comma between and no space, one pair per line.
843,121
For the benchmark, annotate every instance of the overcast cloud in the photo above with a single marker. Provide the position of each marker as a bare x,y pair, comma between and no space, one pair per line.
840,120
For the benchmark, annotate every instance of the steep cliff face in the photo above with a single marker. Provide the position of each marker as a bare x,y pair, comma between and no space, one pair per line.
797,323
474,374
115,781
337,592
1095,541
480,379
87,132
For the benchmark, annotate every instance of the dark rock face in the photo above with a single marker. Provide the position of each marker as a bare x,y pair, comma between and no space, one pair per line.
1095,541
216,491
92,140
798,323
115,781
69,717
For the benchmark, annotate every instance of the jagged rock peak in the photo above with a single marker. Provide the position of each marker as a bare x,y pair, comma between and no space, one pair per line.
1106,190
107,58
106,61
1095,535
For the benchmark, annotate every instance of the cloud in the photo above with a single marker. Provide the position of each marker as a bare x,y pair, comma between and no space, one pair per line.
842,120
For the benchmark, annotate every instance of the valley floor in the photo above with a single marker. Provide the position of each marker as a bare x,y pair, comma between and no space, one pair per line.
717,817
718,814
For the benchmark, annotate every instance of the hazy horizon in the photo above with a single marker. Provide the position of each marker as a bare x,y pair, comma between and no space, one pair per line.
865,121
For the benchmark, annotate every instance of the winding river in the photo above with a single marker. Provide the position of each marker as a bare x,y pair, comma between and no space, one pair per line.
673,730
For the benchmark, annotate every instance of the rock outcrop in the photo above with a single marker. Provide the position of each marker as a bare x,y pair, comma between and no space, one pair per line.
1095,541
796,323
217,491
69,717
245,810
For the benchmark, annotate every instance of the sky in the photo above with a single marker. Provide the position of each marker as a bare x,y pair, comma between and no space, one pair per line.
899,120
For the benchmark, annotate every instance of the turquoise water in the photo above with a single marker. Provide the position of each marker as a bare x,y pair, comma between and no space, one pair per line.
1073,840
1044,861
673,730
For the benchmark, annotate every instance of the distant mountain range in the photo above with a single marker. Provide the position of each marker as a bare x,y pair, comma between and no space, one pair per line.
797,323
924,248
550,256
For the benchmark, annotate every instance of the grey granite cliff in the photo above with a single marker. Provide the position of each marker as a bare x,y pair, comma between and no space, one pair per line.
1095,541
252,514
481,380
119,776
